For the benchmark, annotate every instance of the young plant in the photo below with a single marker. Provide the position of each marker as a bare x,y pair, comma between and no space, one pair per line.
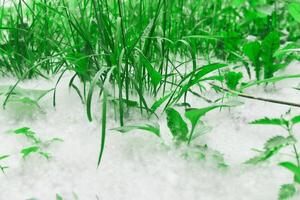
181,134
275,144
37,145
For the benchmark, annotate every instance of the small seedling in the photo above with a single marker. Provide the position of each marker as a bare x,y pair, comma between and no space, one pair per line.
37,145
181,134
275,144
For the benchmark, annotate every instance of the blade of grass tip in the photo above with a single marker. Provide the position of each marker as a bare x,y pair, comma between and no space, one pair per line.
103,129
56,84
103,125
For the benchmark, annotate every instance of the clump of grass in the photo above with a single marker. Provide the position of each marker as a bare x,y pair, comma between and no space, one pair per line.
137,47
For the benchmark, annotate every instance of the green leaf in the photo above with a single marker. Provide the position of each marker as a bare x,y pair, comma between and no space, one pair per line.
22,130
232,79
294,10
286,191
273,121
159,102
272,147
196,76
194,114
270,44
295,119
29,150
279,141
252,51
177,125
263,156
28,133
3,157
91,91
293,168
152,128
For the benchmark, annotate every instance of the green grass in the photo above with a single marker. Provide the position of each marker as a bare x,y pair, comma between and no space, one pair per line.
147,47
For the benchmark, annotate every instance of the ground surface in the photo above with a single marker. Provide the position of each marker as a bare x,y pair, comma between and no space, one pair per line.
139,165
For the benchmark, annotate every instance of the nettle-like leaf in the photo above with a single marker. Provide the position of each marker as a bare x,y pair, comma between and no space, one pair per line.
152,128
269,46
279,141
272,147
232,79
293,168
271,121
177,125
287,191
253,50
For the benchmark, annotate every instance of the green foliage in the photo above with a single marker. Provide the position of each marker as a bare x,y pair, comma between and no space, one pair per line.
269,46
232,79
286,191
272,147
177,125
37,146
253,50
273,121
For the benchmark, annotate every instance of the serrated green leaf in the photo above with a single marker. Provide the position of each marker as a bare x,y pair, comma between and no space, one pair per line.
286,191
263,156
252,51
268,121
177,125
152,128
279,141
232,79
